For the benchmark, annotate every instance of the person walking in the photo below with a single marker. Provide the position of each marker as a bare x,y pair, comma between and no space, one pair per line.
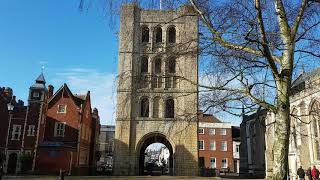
301,173
309,173
315,173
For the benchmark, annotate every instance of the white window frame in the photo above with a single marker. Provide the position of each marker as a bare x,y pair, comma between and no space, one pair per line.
215,162
215,145
223,132
212,131
202,130
65,108
31,130
237,148
202,144
35,94
13,133
226,147
225,164
63,129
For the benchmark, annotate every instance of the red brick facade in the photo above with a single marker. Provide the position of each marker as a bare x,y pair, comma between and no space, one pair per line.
53,139
73,141
215,143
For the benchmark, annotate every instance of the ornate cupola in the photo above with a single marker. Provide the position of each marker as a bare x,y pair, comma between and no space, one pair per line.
37,91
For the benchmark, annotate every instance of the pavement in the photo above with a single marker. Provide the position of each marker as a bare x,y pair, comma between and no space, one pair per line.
108,178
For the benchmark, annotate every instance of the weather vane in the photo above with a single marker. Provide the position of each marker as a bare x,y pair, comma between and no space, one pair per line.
42,68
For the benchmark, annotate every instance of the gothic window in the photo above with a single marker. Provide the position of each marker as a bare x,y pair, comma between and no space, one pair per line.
144,107
171,65
172,35
157,66
169,108
158,32
315,115
293,131
156,107
144,64
145,34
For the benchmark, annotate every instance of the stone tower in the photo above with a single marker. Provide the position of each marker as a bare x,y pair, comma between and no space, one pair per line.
157,97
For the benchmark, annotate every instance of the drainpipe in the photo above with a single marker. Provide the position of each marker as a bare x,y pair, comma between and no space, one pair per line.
79,135
71,159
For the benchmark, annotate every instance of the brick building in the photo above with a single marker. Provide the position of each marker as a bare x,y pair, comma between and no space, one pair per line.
52,132
215,143
66,141
19,126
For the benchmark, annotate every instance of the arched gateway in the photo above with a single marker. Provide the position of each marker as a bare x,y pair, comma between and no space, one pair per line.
157,91
142,146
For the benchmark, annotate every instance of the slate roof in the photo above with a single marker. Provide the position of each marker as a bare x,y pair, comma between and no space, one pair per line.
209,118
40,83
306,76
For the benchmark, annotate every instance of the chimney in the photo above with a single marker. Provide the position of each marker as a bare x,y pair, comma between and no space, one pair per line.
50,91
13,98
20,102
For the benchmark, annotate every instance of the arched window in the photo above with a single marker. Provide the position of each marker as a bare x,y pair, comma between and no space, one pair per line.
145,34
169,108
315,115
172,65
156,107
158,33
144,64
172,35
293,130
157,66
144,107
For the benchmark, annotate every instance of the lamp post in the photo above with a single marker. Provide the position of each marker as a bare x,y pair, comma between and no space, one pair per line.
10,109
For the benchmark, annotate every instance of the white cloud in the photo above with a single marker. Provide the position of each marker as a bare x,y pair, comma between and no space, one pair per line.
101,86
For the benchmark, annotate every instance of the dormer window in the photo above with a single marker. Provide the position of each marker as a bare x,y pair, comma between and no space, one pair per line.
61,108
35,94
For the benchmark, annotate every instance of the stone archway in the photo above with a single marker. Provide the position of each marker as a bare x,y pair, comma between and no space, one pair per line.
145,142
12,163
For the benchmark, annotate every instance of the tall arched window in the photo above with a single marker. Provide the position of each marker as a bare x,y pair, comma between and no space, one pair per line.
158,34
169,113
144,107
171,65
156,107
157,66
172,35
144,34
293,130
144,64
315,115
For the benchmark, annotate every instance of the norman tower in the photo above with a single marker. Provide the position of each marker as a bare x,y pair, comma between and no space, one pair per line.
157,88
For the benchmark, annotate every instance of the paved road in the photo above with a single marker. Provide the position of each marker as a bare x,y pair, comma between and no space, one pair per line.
108,178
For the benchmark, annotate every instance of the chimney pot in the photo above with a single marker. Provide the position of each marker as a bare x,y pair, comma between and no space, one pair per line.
50,91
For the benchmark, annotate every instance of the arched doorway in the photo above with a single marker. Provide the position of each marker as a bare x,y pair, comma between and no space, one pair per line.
159,164
12,163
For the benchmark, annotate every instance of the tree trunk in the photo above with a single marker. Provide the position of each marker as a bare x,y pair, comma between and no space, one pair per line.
282,130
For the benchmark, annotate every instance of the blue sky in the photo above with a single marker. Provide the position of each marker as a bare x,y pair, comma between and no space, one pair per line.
77,48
